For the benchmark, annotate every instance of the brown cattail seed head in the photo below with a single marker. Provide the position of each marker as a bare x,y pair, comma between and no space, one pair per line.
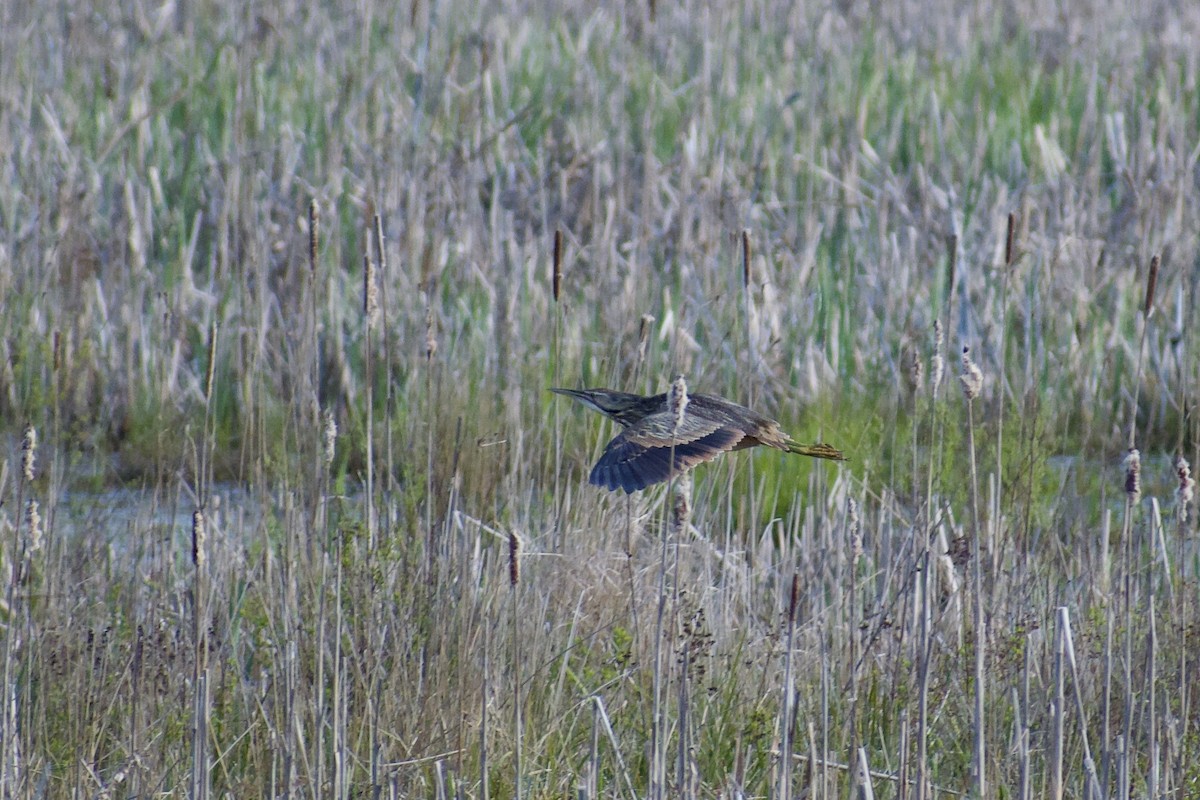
314,218
914,368
1133,474
1151,280
1187,487
556,267
677,399
199,535
57,361
971,377
29,452
331,432
794,598
514,559
1010,239
35,526
745,259
937,363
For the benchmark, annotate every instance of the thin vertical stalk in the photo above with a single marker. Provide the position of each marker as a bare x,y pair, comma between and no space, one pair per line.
200,705
751,363
556,358
370,310
972,382
514,581
786,707
677,403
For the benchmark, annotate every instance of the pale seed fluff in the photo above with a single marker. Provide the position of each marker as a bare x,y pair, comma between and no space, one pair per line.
29,452
1187,487
199,535
35,526
331,432
937,364
681,508
971,377
1133,474
677,399
856,540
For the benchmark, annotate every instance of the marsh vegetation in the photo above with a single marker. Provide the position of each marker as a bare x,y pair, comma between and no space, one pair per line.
286,507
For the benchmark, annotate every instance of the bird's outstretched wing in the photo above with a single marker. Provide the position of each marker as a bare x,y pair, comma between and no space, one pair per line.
641,454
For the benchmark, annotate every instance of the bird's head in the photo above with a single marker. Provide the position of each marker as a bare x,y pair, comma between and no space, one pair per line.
621,407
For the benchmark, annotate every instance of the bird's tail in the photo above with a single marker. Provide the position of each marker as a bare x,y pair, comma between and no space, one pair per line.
817,451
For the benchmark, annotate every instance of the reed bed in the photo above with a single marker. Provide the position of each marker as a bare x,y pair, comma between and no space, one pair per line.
287,511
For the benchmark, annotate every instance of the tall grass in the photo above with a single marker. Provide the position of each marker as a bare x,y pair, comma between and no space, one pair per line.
204,316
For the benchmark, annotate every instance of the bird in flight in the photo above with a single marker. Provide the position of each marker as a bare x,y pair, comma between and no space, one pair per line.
653,445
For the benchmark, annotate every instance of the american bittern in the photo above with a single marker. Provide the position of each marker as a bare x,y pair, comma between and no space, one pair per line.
641,454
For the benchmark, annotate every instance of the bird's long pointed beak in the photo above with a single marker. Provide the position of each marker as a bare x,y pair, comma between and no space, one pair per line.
580,395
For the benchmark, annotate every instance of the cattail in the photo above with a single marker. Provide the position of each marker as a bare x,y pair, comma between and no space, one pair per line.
952,262
794,598
677,399
212,360
556,267
856,542
430,334
514,559
314,218
57,360
1151,280
29,452
1133,474
199,535
745,259
971,377
914,368
331,432
1187,487
937,363
1010,239
370,291
681,509
35,526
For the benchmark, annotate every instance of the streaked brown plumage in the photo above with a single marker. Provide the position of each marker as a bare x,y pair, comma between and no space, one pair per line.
641,454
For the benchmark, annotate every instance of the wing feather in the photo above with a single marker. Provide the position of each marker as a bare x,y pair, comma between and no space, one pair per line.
640,455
